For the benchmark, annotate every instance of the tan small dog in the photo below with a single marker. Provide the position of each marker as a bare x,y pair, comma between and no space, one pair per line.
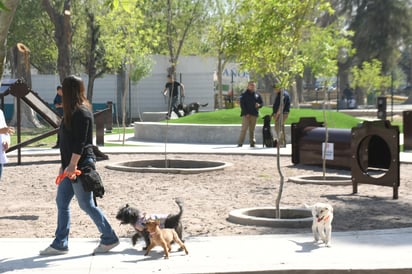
162,237
322,222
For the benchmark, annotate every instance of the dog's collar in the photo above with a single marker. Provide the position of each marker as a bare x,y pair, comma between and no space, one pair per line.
323,218
151,234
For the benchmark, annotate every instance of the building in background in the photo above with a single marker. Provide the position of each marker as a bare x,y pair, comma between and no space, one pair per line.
196,73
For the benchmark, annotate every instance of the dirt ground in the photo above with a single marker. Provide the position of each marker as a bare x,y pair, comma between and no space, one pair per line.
28,209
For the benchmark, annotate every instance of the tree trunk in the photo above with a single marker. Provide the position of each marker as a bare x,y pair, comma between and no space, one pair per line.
121,76
174,53
6,18
220,66
219,83
90,86
20,63
124,94
279,168
20,69
62,36
92,55
299,91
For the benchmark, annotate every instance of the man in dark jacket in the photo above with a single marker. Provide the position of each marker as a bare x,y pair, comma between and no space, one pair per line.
250,103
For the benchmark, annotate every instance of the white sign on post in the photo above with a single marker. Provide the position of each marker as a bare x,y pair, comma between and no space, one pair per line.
327,153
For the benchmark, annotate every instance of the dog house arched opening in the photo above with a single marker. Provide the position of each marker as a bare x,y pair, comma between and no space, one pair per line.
375,155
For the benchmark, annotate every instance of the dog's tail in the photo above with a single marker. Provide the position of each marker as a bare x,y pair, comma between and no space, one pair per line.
173,220
204,105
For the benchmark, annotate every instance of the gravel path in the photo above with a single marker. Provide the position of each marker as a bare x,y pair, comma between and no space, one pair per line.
27,194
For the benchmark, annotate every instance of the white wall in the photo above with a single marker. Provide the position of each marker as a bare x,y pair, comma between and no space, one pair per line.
196,73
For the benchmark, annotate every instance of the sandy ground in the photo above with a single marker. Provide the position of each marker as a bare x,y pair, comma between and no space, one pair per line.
27,194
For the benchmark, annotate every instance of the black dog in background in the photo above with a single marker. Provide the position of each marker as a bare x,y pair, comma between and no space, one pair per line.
267,133
187,109
132,216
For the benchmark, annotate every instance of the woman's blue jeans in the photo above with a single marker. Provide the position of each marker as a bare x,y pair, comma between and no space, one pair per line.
66,190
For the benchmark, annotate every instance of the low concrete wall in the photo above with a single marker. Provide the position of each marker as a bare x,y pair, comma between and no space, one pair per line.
195,134
153,116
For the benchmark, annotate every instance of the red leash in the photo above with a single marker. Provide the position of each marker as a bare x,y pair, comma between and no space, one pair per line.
60,177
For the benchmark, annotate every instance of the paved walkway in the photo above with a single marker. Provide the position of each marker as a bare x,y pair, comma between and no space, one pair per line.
385,251
379,251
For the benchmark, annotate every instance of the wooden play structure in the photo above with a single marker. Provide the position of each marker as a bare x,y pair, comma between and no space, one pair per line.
19,89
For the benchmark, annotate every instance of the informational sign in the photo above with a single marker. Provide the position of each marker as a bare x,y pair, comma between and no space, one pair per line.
327,151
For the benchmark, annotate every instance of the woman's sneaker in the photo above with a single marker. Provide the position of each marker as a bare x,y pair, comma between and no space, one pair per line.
101,248
50,251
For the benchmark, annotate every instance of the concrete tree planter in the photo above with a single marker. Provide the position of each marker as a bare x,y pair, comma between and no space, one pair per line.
169,166
290,218
322,180
266,216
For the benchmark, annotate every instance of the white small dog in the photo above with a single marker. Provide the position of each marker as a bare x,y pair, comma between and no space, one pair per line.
322,222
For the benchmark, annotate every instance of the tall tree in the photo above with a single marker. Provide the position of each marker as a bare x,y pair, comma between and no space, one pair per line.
405,63
179,21
322,49
6,17
32,27
60,14
180,17
268,41
380,27
90,51
127,42
20,69
369,78
220,30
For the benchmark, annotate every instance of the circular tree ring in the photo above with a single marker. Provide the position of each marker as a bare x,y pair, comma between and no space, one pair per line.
266,216
322,180
169,166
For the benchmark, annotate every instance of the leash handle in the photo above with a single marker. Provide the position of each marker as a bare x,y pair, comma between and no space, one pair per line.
60,177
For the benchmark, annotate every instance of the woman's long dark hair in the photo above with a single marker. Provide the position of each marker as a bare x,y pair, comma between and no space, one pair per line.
73,97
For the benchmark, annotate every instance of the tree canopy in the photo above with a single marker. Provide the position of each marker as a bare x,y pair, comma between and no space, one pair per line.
266,36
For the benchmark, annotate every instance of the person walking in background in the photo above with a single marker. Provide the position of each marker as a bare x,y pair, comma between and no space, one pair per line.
172,87
5,132
250,103
277,111
348,97
76,151
58,105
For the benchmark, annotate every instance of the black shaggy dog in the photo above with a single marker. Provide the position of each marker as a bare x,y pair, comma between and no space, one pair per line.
132,216
187,109
267,133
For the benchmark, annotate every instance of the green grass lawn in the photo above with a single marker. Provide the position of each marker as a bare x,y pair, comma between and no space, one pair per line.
225,116
51,140
232,116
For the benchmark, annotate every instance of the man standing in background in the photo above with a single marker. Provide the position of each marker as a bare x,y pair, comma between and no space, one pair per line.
172,87
279,109
250,103
58,105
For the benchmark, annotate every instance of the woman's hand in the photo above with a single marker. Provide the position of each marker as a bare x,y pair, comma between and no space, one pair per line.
5,146
7,130
71,171
72,167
